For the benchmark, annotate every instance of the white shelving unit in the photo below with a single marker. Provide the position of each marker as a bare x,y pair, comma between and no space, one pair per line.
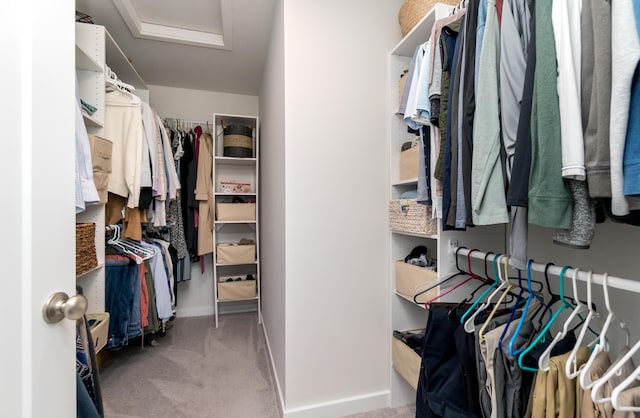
95,49
244,170
405,314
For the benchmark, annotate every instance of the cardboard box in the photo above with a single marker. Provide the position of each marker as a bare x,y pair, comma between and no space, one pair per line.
406,361
235,254
99,329
409,163
411,279
237,290
236,211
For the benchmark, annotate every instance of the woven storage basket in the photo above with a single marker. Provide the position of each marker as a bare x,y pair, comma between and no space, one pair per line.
238,141
412,11
85,247
407,215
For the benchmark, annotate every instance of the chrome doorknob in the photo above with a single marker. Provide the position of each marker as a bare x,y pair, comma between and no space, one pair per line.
60,306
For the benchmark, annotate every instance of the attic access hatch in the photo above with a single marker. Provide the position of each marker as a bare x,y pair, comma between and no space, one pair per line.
205,23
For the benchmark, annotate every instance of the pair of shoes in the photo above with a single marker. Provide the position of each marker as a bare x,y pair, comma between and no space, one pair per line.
250,277
231,279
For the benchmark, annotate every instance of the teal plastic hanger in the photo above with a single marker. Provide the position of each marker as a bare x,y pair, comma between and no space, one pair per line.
544,330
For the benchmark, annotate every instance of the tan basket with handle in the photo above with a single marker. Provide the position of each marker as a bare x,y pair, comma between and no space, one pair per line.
412,11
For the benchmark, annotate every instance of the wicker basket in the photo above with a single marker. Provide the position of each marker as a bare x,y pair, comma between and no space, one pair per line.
412,11
407,215
85,248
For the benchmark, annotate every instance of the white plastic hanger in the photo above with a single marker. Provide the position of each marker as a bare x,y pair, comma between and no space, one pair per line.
603,345
112,79
615,394
469,325
615,370
543,361
572,369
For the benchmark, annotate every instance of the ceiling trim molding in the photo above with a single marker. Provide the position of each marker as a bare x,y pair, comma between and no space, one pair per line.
144,30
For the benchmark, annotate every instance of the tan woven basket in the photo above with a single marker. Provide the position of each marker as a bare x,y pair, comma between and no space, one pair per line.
407,215
412,11
85,247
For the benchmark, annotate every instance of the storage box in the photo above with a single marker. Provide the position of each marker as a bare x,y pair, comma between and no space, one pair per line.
406,361
232,186
411,280
409,163
236,211
407,215
235,254
99,329
242,289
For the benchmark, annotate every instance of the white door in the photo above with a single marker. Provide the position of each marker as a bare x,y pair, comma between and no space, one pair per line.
37,370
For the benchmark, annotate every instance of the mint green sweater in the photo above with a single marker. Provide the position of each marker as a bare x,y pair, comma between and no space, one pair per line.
550,199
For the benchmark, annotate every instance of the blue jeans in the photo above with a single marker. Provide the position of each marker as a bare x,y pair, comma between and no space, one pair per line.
122,301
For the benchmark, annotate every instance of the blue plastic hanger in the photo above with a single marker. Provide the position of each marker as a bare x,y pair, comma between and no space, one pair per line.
541,335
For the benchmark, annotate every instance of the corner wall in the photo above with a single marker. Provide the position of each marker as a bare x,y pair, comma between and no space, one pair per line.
195,296
337,169
272,202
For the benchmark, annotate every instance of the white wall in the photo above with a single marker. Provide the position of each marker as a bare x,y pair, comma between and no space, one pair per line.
195,297
272,201
337,282
199,104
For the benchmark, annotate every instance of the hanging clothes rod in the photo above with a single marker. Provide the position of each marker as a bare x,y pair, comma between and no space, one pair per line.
612,281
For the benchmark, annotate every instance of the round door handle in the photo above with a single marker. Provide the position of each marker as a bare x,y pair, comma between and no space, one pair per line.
60,306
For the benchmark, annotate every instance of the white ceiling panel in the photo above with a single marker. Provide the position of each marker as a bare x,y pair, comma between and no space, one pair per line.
198,15
165,63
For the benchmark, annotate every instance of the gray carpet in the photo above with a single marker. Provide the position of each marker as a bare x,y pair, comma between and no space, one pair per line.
195,371
199,371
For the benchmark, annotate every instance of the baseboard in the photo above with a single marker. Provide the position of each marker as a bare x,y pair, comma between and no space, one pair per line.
273,365
342,407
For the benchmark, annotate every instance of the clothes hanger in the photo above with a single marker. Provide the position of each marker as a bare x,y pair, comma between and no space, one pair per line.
615,394
487,281
509,287
458,273
472,276
571,367
541,335
497,287
513,311
615,370
544,360
603,345
532,296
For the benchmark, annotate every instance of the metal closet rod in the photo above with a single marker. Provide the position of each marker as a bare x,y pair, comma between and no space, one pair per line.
612,281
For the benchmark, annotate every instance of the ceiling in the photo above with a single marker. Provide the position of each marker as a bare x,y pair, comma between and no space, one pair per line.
217,45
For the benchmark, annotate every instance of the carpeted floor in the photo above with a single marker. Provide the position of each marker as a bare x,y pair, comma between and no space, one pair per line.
195,371
200,371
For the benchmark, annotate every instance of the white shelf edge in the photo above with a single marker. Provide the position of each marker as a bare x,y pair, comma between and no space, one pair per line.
85,62
91,121
413,234
236,161
410,300
241,264
421,31
234,222
236,300
86,273
407,182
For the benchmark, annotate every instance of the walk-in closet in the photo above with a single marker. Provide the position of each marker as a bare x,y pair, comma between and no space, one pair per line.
300,209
